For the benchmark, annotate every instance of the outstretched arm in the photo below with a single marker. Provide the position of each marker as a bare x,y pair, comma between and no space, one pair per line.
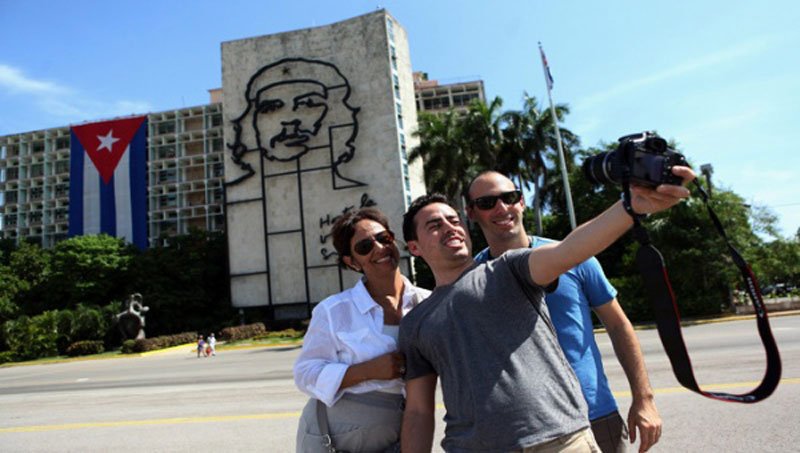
643,415
418,417
549,261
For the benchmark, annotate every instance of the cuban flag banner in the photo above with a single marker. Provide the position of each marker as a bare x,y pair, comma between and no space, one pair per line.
108,180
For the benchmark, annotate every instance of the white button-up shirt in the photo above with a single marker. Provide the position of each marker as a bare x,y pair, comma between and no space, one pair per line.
346,329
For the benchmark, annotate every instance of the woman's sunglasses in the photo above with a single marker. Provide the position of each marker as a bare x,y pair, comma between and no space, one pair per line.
364,246
488,202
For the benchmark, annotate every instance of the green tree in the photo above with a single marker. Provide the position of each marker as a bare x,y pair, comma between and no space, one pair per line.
30,338
185,284
32,268
446,161
529,144
89,269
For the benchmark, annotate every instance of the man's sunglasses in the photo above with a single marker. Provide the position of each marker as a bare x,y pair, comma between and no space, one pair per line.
488,202
364,246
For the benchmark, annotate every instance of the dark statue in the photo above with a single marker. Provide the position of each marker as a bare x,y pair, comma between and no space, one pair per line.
131,321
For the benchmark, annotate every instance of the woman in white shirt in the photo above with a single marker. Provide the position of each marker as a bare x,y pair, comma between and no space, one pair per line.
350,366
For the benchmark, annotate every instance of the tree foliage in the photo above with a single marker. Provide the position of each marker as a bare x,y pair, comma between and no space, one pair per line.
522,144
72,292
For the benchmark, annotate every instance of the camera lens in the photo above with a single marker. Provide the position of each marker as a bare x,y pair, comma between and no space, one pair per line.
600,169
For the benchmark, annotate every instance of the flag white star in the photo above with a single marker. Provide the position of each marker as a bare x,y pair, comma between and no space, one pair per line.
107,141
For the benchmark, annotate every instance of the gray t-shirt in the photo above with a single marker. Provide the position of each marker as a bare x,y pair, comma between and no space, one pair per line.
505,380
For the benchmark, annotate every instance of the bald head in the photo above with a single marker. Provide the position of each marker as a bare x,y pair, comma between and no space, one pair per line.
484,179
497,207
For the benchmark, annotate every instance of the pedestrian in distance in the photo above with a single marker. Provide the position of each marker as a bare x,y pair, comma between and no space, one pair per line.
201,346
212,344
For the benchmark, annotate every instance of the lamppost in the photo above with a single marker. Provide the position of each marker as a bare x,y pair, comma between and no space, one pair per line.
707,170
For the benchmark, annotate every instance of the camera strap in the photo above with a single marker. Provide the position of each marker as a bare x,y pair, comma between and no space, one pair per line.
656,283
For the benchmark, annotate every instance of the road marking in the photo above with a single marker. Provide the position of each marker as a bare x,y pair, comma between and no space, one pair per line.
156,421
708,387
284,415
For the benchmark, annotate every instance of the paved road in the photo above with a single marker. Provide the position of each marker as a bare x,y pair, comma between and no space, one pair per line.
245,400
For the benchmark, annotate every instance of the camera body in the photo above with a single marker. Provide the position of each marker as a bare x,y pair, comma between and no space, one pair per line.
646,158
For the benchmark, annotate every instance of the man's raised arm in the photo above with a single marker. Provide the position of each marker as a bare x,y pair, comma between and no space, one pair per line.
549,261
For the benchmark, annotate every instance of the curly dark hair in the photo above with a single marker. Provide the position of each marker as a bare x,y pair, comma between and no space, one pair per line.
345,228
409,228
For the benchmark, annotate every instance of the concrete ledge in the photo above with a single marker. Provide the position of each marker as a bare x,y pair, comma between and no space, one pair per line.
779,305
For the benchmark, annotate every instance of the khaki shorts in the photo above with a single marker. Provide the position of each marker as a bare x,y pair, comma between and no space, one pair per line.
578,442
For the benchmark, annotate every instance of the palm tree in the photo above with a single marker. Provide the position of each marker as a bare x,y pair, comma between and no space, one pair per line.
528,144
445,160
456,146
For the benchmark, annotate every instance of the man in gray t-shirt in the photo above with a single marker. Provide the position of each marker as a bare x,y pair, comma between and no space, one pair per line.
514,390
486,332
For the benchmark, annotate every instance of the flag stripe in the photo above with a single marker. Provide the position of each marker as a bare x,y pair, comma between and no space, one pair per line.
138,176
76,156
118,208
91,198
108,207
122,197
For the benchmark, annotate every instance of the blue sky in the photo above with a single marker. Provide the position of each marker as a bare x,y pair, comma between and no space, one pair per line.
721,78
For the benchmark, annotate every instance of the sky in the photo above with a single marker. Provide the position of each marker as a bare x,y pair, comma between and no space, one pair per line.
720,78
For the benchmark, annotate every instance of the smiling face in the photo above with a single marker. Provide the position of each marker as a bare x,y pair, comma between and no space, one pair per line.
441,239
380,262
288,117
502,223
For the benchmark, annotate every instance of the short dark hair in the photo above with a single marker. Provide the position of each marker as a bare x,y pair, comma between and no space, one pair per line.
344,228
409,228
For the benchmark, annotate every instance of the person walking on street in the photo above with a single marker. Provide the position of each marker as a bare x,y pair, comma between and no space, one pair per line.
212,344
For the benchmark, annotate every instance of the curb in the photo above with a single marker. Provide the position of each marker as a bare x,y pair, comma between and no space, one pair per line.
699,322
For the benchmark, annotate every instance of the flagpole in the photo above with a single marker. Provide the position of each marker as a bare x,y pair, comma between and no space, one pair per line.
549,81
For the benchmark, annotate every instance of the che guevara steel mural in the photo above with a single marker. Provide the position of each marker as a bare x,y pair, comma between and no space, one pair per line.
297,121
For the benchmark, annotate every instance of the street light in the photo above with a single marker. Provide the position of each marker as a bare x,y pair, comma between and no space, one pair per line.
707,170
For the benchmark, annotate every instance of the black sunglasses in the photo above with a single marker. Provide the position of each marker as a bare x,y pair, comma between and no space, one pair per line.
364,246
488,202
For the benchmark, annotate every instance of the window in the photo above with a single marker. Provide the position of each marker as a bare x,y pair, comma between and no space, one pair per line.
167,127
216,120
390,29
396,86
393,56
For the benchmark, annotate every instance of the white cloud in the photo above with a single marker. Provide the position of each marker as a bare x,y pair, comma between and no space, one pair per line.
65,103
732,53
15,81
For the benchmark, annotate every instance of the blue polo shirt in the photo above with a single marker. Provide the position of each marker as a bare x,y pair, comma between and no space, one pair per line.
579,289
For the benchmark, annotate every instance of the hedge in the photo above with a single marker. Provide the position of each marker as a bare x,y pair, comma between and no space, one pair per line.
242,332
85,347
165,341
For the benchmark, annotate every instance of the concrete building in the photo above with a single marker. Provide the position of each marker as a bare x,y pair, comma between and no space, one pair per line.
435,98
185,173
273,178
319,121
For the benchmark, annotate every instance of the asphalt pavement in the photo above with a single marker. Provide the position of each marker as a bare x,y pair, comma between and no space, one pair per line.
245,399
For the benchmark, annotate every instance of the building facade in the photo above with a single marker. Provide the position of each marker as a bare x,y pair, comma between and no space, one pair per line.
185,176
432,97
318,122
308,124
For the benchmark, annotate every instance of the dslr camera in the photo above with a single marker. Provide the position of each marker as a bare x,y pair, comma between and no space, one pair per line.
645,158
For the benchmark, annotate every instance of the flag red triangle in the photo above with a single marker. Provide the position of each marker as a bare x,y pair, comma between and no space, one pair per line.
106,142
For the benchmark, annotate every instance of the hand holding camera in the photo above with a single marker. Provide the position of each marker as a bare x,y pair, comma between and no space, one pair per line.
655,171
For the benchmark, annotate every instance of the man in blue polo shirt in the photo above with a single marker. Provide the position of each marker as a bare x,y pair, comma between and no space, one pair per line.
496,205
